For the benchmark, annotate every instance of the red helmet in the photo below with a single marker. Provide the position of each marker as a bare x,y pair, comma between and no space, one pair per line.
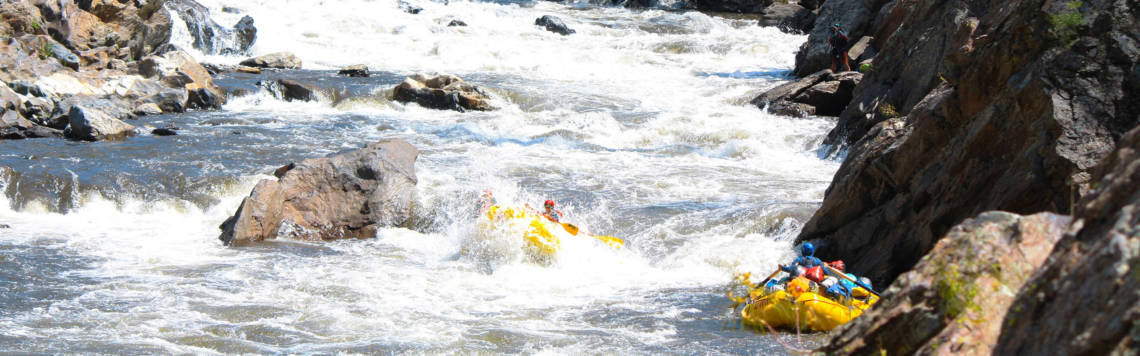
549,203
838,264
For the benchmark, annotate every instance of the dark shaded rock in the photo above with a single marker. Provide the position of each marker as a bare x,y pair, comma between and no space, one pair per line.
94,125
737,6
5,226
279,60
231,10
25,87
290,90
445,92
15,127
162,131
810,4
409,8
37,109
347,195
789,18
456,22
168,100
358,70
954,300
553,24
203,99
1016,122
245,34
1084,300
9,99
856,17
823,93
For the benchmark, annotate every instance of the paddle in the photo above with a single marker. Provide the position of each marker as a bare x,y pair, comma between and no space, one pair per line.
770,276
609,240
845,276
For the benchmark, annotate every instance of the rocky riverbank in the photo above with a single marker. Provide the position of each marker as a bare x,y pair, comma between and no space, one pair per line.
978,106
86,70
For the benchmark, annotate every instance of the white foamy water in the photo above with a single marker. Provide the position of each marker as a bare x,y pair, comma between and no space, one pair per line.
638,125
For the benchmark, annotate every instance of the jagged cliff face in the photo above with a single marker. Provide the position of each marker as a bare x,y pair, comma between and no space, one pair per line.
1023,99
1086,298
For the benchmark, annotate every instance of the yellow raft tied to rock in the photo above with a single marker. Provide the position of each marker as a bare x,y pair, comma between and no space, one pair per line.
811,311
538,232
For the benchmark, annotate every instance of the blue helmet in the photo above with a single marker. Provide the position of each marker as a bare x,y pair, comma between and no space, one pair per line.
807,249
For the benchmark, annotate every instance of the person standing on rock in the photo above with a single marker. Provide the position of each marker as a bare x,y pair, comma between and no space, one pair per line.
838,41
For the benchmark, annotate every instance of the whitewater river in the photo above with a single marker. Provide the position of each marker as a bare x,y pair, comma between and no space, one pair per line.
637,125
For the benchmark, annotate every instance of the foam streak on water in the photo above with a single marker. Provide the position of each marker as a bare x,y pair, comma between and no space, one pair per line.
638,125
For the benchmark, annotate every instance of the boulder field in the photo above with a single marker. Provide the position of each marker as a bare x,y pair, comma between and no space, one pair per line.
104,62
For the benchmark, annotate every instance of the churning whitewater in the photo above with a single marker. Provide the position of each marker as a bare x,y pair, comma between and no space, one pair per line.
637,125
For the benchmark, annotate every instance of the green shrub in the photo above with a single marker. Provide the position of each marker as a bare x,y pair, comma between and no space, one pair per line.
45,51
1064,24
865,68
888,111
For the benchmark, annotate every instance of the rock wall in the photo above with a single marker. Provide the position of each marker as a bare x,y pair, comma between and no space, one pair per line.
954,300
1025,108
1086,299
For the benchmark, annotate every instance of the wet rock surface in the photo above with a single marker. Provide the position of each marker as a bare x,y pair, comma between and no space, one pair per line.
444,92
347,195
955,299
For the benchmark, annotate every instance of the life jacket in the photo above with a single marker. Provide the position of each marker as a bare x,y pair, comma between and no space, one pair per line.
552,217
815,274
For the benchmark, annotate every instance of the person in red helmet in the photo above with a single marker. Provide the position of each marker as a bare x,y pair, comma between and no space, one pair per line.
550,212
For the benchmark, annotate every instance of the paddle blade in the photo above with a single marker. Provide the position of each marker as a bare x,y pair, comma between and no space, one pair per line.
612,241
573,230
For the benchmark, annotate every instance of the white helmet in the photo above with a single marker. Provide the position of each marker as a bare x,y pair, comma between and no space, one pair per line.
829,281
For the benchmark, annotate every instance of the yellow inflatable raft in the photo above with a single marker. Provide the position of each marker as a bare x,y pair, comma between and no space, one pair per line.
538,231
810,311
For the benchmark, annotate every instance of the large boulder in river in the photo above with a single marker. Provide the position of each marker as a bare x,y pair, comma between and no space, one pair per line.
444,91
553,24
823,93
954,300
346,195
94,125
355,70
1085,300
279,60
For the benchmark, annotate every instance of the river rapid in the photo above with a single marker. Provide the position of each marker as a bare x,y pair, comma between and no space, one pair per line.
637,125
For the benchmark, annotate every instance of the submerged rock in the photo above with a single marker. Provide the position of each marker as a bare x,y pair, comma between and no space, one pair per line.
347,195
954,300
444,91
553,24
279,60
823,93
94,125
